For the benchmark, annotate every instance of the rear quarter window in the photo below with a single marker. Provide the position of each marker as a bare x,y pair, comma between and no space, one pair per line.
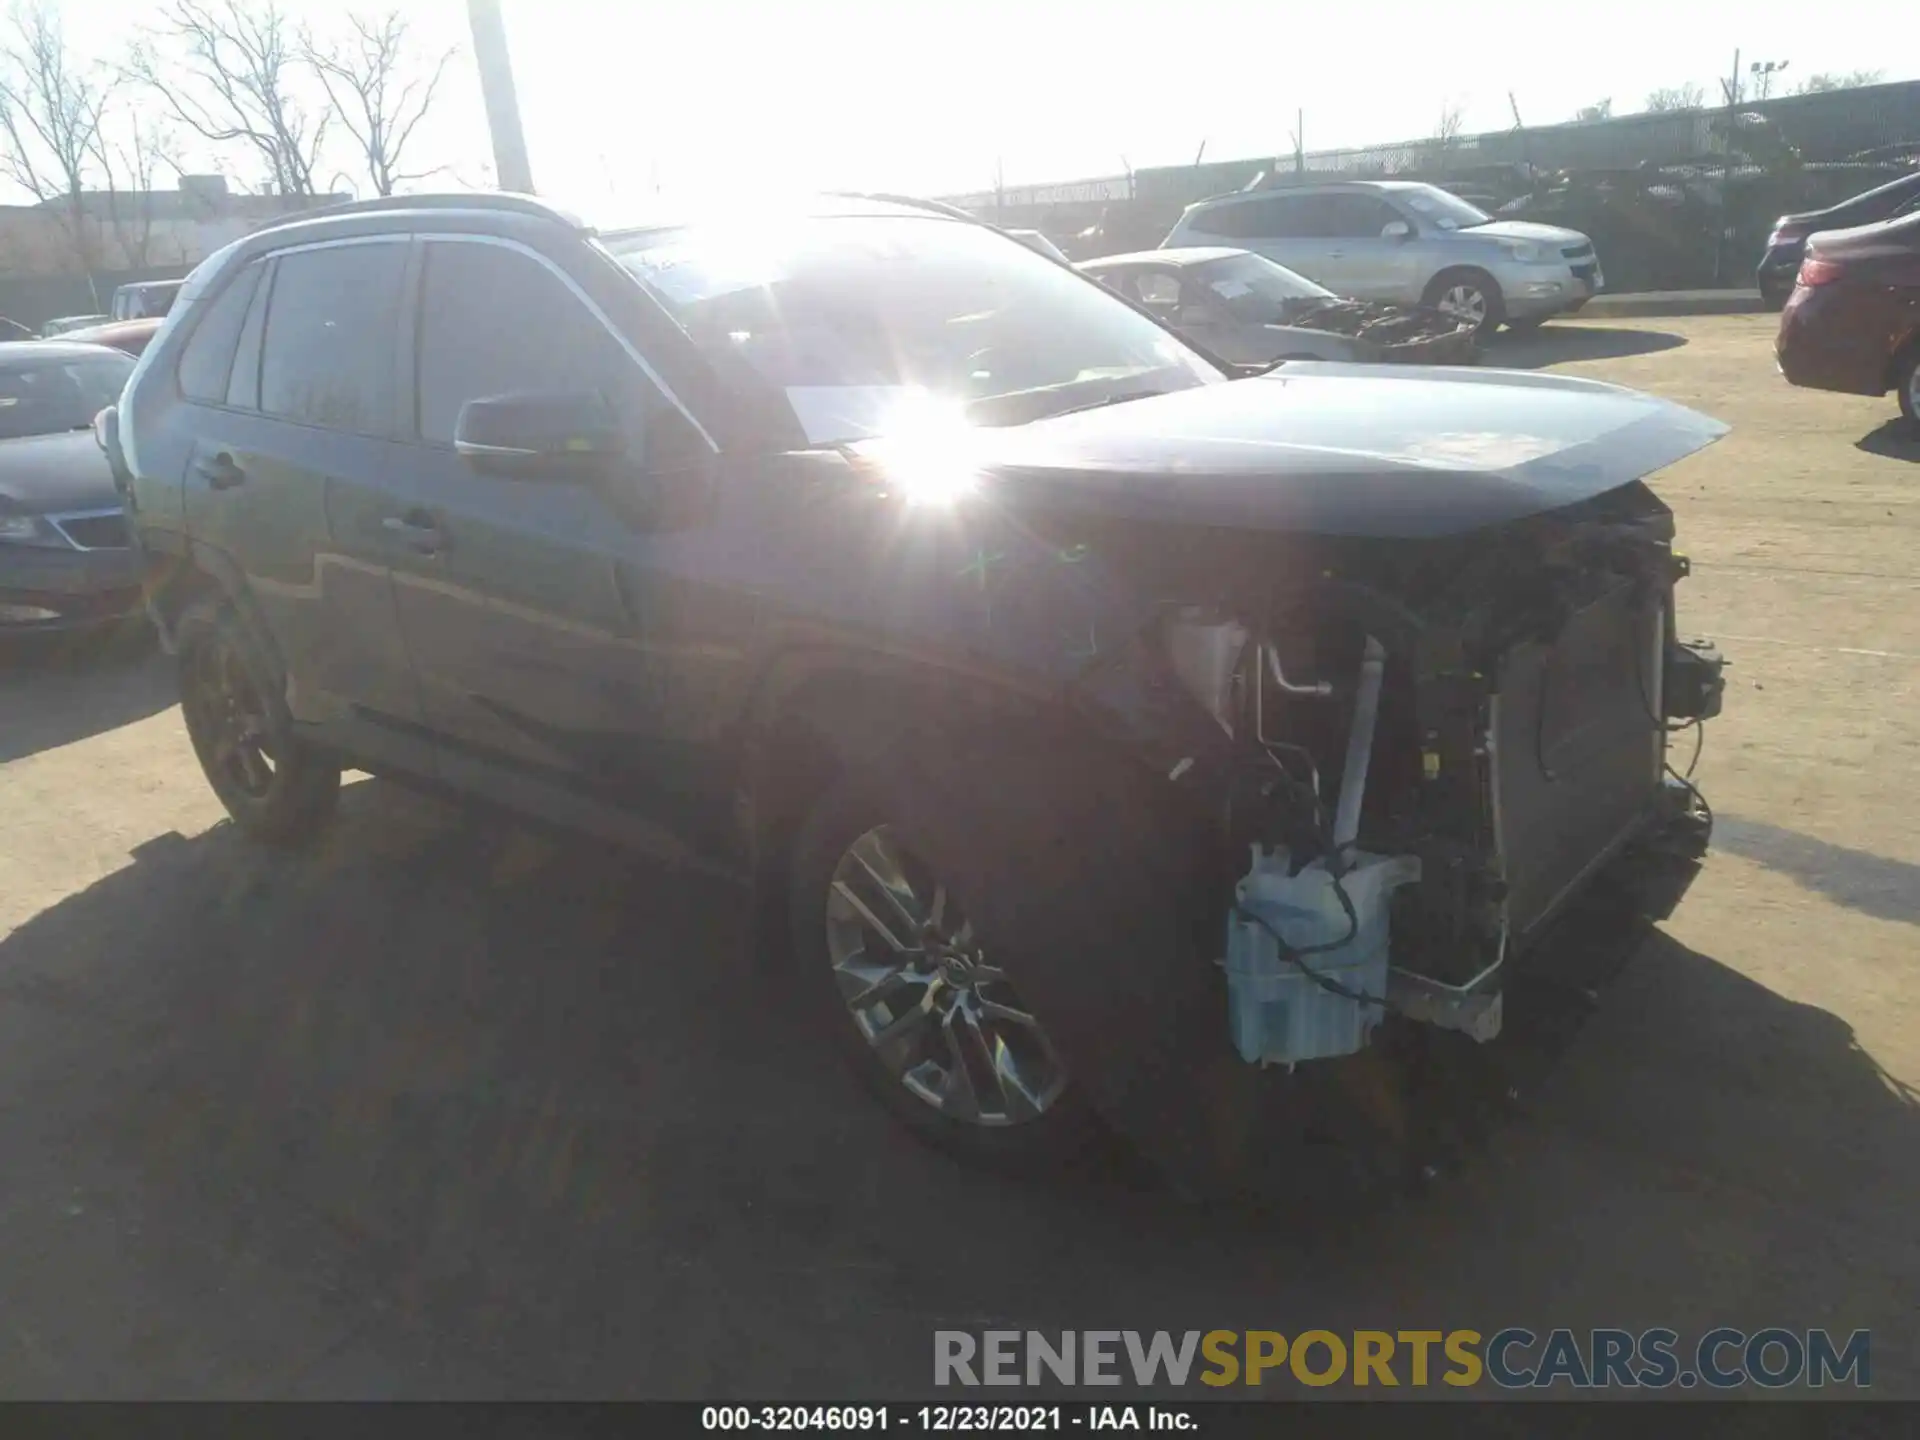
207,358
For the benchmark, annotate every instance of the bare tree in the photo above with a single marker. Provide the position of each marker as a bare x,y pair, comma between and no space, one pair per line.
234,80
131,157
379,89
1447,131
50,114
1676,99
1599,110
1831,80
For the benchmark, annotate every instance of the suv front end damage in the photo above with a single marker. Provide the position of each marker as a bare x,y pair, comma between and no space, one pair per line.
1403,640
1489,715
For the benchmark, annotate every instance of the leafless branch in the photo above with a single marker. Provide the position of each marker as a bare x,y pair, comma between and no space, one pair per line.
130,162
367,80
51,107
227,69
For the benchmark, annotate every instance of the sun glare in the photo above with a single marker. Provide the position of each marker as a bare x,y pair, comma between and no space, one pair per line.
927,449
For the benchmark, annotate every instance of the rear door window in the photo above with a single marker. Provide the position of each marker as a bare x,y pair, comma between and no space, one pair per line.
327,354
206,361
1352,217
1272,217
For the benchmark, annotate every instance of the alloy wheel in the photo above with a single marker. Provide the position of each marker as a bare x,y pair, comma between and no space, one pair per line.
1466,302
231,718
918,985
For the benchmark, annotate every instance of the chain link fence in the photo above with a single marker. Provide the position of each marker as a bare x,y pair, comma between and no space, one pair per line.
1674,200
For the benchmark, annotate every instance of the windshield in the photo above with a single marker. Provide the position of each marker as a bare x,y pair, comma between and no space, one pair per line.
1448,212
43,397
850,316
1034,240
145,302
1253,288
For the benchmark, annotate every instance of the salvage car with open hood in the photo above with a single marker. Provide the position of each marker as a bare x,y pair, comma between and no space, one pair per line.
1107,732
1246,309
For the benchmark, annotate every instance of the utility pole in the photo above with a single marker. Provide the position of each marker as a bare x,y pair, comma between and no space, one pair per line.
1526,151
510,165
1726,175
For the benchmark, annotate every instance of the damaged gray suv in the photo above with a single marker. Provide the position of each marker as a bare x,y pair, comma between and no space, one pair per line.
1115,739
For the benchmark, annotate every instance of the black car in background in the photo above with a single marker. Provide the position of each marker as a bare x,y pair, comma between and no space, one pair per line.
1787,245
65,558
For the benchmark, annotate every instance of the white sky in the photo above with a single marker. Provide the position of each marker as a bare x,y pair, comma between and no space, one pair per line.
621,96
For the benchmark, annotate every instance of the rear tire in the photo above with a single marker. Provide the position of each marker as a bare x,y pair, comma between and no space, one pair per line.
1470,295
278,788
1906,373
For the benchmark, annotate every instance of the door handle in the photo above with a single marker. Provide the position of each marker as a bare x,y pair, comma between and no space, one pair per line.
220,472
416,531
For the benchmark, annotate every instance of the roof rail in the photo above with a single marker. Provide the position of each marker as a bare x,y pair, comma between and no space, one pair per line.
939,207
472,200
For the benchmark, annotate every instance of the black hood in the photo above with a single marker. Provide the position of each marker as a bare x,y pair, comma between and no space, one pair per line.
47,474
1392,452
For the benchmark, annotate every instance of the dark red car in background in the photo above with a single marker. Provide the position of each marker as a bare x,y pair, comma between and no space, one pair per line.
1787,245
1853,320
130,336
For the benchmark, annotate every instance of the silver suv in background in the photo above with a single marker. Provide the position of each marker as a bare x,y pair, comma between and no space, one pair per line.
1405,241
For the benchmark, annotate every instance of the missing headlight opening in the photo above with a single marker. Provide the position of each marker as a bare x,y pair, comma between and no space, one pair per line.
1441,744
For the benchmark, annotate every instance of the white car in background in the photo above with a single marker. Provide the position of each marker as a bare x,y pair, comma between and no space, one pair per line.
1409,242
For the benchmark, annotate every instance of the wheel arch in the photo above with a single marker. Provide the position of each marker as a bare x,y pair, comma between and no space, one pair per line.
206,573
817,710
1907,350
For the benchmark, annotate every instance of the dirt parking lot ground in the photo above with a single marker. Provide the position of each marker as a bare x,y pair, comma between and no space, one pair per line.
447,1109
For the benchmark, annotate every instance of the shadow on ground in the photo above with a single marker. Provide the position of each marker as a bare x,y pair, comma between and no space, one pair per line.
1872,884
1558,344
442,1109
1897,440
55,690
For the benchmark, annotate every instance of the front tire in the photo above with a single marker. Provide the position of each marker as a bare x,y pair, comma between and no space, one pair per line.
1084,887
278,788
1471,295
906,990
1907,382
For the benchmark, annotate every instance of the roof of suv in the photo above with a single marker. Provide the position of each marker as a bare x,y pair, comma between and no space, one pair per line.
1311,187
361,216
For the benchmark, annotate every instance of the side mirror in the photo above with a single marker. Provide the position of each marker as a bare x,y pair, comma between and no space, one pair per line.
1396,230
540,436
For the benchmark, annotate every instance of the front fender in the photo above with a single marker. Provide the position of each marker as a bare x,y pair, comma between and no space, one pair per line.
970,593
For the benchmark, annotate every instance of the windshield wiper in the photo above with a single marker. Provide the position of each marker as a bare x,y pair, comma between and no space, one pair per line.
1108,400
